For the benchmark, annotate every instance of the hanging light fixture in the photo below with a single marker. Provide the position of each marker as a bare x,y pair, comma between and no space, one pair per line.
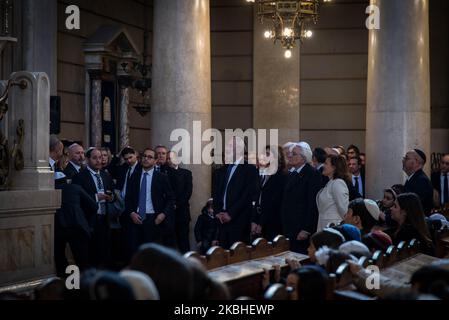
289,20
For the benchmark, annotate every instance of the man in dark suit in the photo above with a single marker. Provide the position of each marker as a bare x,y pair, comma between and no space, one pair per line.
235,189
76,160
151,202
417,181
182,187
318,159
98,185
357,178
299,208
440,180
72,227
162,166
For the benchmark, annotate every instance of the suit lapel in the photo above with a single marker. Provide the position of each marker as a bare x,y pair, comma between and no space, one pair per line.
90,182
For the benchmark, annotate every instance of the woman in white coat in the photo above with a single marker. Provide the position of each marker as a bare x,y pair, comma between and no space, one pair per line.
333,199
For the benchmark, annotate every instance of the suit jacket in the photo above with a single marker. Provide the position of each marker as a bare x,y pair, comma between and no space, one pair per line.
435,177
70,171
162,195
242,190
363,185
182,184
421,185
71,214
85,180
299,208
271,194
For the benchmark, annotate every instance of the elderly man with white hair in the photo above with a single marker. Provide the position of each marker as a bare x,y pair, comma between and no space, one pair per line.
299,209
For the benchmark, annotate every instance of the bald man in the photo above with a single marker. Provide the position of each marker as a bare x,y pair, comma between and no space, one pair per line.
417,181
76,160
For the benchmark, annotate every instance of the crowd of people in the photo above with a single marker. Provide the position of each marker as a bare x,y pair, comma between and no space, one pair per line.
124,211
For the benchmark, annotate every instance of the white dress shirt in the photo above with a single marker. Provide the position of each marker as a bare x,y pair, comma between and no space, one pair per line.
128,174
443,201
359,179
148,200
229,179
99,190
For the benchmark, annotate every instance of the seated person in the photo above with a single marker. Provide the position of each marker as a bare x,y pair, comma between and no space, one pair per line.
386,203
328,237
362,213
307,283
407,211
206,228
377,240
350,232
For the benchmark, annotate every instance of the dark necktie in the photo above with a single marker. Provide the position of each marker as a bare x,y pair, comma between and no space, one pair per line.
445,190
143,197
99,182
356,184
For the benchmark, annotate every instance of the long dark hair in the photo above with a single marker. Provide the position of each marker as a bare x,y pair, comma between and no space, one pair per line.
341,167
410,203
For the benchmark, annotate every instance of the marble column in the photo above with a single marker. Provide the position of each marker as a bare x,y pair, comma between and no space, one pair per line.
27,209
96,113
275,85
39,43
124,121
182,80
398,97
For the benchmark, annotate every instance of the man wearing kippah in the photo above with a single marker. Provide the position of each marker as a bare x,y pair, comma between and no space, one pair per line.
417,181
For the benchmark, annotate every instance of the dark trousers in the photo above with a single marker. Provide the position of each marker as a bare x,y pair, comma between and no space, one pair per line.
230,233
147,232
78,240
299,246
182,227
100,255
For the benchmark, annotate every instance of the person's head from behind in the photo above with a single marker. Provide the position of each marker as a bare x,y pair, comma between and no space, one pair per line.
349,231
353,151
413,161
362,213
354,166
76,154
148,159
308,283
104,285
142,285
56,148
444,164
319,156
355,248
328,237
161,155
129,155
335,167
168,269
377,240
430,280
94,159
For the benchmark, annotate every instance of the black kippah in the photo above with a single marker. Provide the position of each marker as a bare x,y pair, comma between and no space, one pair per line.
421,154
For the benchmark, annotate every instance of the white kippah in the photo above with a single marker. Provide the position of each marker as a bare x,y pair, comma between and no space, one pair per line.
372,208
353,246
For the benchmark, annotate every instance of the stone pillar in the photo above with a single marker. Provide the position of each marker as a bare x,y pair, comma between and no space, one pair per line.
276,86
40,27
124,122
96,113
182,80
398,99
27,210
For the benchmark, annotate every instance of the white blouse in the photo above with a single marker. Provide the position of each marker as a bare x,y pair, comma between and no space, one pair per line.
332,202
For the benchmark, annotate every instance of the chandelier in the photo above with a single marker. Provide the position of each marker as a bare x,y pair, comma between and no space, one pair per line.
289,20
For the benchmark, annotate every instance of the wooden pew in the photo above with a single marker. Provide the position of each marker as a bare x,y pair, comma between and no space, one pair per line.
390,256
277,291
442,243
